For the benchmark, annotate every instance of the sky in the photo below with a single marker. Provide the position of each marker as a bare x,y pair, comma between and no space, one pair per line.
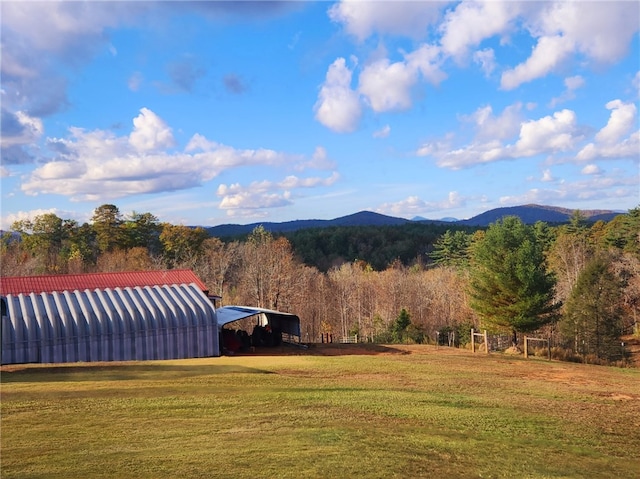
208,113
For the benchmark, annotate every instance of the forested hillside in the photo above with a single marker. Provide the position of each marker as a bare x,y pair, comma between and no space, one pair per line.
579,282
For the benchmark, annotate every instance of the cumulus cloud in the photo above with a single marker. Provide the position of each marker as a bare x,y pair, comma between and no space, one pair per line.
562,31
551,134
98,165
387,86
594,188
471,22
338,106
489,126
266,194
150,132
621,122
414,205
601,31
319,161
612,140
7,220
548,134
19,132
362,19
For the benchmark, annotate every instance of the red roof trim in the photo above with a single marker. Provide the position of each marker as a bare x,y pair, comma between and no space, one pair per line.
91,281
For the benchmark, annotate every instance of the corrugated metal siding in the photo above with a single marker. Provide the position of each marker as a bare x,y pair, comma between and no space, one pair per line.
72,282
141,323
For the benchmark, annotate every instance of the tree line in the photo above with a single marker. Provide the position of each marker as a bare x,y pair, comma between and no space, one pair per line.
578,282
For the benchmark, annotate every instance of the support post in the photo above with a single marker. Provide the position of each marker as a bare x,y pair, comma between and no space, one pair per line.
473,341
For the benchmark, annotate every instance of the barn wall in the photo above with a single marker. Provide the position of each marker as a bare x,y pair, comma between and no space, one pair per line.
141,323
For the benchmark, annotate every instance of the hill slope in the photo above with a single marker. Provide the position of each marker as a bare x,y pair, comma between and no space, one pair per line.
529,214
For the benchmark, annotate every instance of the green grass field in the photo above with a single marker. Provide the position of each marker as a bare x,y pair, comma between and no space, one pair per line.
407,413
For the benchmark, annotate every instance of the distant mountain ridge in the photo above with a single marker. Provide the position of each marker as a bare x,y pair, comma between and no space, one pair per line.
529,214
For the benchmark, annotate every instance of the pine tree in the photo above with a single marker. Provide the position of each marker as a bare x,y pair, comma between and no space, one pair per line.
593,312
510,287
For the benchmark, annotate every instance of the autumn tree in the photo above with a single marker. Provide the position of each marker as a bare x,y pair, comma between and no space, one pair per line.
182,245
268,269
217,264
44,237
510,286
568,256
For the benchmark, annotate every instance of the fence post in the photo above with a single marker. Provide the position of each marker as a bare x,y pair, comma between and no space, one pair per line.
486,342
473,341
526,352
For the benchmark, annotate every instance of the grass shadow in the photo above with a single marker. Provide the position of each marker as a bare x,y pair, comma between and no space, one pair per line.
115,371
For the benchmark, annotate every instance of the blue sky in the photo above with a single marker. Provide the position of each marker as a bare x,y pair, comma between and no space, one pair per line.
205,113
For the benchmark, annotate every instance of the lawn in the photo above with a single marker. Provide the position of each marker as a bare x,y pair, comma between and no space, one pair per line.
404,412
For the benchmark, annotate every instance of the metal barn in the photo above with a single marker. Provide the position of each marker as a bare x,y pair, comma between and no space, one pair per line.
125,316
120,324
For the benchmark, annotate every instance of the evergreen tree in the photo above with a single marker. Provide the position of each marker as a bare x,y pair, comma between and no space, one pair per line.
106,222
510,287
593,313
452,249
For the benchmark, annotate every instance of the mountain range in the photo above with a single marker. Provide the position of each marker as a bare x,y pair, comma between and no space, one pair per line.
529,214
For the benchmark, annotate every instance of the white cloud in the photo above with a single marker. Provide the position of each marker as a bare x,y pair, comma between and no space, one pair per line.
597,188
98,166
20,129
267,194
6,220
548,134
427,60
387,86
591,170
571,85
547,176
414,206
319,161
503,126
150,132
383,132
548,53
621,122
338,106
473,21
362,19
610,141
486,59
601,31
